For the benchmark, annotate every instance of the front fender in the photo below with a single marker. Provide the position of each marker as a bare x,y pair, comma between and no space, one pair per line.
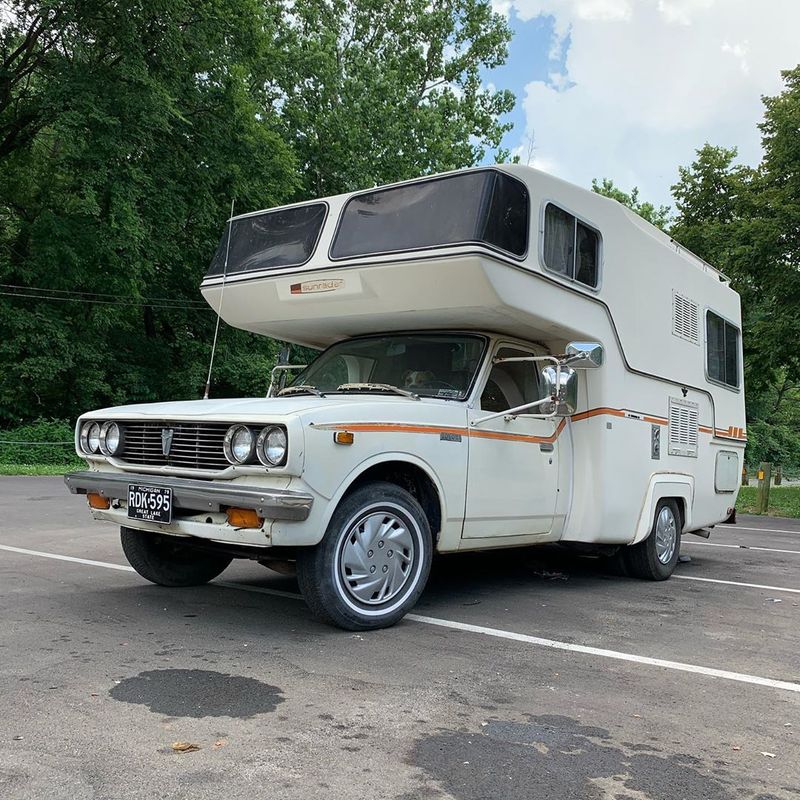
376,460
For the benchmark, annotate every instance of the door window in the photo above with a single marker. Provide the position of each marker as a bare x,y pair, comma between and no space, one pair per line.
511,384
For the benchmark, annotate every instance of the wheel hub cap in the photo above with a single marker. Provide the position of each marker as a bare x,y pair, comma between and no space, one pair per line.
666,535
375,557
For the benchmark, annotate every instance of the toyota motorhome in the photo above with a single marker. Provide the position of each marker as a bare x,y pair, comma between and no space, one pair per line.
507,360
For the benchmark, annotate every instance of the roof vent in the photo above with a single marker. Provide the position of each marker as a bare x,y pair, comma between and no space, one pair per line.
685,318
683,424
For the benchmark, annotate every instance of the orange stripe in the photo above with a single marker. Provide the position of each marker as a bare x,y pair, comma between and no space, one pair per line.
399,427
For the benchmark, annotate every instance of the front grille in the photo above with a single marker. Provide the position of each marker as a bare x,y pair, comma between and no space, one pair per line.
194,445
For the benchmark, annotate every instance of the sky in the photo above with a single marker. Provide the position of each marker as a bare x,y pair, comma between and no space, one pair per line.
630,89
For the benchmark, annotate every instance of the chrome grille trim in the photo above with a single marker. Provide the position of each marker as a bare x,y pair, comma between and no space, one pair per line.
195,445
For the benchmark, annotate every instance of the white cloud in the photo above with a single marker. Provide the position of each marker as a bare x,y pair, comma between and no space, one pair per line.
646,82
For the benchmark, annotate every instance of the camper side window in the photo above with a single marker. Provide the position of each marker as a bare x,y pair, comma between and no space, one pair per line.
722,351
571,248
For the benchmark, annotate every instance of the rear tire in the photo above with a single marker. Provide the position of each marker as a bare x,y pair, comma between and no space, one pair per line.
169,560
655,558
373,562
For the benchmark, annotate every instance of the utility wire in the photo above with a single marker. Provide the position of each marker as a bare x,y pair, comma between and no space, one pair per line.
49,290
52,298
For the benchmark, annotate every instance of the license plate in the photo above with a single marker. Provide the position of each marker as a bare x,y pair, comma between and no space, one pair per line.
149,503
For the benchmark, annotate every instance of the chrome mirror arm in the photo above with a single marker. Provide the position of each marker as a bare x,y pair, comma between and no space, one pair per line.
512,412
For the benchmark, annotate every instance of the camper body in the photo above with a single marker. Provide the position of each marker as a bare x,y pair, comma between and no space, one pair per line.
510,360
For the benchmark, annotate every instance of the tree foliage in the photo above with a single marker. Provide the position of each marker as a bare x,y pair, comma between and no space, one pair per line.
380,92
127,128
655,215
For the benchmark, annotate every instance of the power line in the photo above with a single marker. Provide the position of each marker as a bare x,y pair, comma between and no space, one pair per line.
139,303
51,291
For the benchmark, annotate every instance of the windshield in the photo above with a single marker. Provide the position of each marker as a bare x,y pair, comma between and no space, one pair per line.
430,365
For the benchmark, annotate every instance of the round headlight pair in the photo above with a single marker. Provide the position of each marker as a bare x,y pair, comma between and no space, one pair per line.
97,438
242,446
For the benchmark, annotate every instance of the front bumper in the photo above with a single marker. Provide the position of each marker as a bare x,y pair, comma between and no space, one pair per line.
198,496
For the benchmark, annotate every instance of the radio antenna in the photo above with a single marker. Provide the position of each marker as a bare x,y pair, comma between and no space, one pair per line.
219,305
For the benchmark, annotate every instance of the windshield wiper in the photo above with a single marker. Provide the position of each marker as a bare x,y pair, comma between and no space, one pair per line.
381,387
302,387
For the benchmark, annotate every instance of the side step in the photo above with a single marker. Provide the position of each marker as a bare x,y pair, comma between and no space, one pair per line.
704,532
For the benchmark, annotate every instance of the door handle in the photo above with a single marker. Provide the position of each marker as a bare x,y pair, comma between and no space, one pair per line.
547,447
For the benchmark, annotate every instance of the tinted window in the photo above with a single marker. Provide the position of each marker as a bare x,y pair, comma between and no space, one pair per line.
571,248
722,350
274,239
472,207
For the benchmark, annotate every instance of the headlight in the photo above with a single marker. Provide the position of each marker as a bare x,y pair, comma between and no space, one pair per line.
84,437
271,446
90,437
110,438
239,444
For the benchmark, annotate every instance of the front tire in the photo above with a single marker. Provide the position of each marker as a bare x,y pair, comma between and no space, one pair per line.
169,560
373,562
655,558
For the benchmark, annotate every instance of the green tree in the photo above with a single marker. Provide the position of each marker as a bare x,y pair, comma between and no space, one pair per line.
147,122
375,92
655,215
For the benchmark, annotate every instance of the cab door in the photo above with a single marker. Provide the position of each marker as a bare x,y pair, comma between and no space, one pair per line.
512,477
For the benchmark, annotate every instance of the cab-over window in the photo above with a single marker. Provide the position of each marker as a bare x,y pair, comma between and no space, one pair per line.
571,248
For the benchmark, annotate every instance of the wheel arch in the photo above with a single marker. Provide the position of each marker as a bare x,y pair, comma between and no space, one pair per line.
404,470
670,486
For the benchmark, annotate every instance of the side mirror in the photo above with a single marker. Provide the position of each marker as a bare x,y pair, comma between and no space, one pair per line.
584,355
562,384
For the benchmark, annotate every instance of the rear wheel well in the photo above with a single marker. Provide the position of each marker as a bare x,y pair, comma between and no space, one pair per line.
411,478
681,503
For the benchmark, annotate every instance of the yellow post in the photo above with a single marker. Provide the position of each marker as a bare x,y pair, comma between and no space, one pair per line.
764,479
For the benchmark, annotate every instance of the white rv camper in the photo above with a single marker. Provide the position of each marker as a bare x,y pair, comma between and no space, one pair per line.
506,360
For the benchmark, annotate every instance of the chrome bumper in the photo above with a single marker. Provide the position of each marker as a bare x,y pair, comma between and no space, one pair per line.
193,495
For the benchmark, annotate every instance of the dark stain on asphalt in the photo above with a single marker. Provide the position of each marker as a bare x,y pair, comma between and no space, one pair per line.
556,757
198,693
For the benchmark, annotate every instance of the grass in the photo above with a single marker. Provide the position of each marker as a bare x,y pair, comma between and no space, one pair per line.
784,501
39,469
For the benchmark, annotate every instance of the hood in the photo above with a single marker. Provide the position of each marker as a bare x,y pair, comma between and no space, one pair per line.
240,408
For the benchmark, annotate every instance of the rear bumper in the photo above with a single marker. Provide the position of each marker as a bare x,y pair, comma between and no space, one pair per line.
199,496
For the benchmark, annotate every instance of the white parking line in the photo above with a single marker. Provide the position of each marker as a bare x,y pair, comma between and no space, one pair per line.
87,561
765,530
552,644
596,651
739,547
735,583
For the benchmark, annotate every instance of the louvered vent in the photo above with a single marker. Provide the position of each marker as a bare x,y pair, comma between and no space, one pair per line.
685,318
683,417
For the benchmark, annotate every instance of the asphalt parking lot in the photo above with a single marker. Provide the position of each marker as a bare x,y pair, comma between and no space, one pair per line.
521,675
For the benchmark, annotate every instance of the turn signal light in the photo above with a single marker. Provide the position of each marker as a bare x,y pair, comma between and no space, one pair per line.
98,501
244,518
344,437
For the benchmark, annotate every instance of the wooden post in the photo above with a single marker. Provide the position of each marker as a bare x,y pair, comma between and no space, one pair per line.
764,479
778,475
745,476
